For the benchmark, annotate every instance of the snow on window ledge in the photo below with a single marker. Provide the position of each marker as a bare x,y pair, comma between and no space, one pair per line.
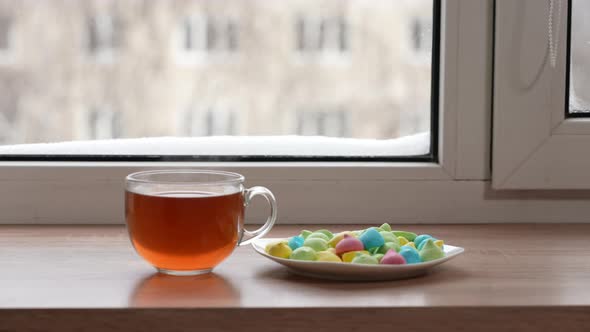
418,144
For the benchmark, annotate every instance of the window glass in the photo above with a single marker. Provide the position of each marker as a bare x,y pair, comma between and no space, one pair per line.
360,70
579,93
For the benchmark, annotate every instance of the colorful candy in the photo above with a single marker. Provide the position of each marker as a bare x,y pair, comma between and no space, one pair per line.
420,238
389,237
440,244
374,245
385,227
410,254
304,254
386,247
315,243
305,233
349,256
371,239
402,240
337,238
279,249
295,242
408,235
430,251
326,256
316,235
349,243
392,257
365,259
332,250
424,242
326,233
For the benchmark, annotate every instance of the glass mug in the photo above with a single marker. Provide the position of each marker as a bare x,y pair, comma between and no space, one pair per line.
185,222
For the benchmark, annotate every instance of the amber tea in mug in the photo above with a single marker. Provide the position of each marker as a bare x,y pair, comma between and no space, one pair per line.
187,222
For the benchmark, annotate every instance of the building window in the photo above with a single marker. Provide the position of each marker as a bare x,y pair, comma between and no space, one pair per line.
103,123
103,36
194,34
5,34
323,123
231,31
208,122
421,35
7,128
322,34
213,35
6,40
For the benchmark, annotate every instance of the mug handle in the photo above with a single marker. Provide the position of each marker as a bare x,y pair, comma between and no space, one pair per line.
270,198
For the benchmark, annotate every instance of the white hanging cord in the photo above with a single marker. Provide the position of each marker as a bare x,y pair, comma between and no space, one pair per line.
554,30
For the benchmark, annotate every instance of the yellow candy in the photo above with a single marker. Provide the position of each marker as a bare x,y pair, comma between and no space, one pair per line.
337,238
402,240
332,250
271,244
439,243
349,256
411,244
280,249
326,256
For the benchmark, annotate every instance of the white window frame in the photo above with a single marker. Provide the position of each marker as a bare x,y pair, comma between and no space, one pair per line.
551,154
455,189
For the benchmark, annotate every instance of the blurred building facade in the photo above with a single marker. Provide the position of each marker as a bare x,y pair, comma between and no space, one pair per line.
95,69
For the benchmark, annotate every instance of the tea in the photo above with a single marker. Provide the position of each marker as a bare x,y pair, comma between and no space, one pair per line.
184,231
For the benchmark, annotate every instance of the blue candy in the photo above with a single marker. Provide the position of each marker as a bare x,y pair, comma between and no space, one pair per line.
295,242
410,254
371,239
419,247
420,238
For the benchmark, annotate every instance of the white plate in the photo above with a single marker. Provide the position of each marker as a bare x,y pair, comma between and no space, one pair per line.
358,272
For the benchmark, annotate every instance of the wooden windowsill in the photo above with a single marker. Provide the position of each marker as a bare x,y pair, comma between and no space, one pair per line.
527,277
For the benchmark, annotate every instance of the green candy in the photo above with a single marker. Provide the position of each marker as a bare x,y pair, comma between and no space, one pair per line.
385,227
304,254
408,235
316,244
386,247
305,233
430,251
365,259
316,235
389,237
326,233
378,257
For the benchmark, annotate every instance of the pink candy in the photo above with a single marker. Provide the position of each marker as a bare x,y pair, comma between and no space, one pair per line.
392,257
349,243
